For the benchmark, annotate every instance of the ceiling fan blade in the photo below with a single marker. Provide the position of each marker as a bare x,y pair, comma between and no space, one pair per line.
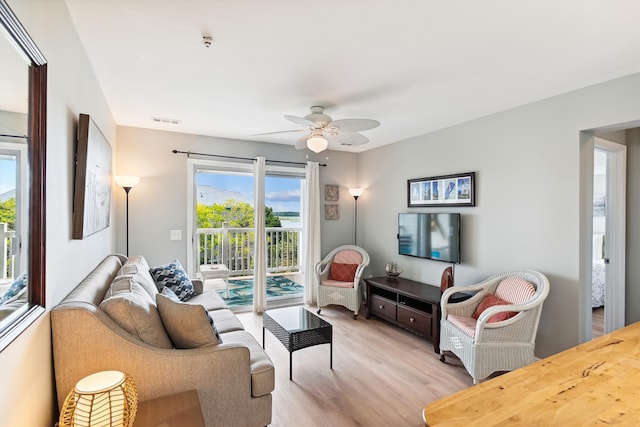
354,125
281,131
300,121
301,143
348,138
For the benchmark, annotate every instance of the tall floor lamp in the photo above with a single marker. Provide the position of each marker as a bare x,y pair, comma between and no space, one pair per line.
127,183
356,192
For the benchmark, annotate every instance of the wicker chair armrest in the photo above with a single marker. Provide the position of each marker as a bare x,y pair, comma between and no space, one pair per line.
500,331
462,308
322,268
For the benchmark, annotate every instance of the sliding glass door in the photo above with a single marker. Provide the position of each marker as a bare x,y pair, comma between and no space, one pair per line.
223,231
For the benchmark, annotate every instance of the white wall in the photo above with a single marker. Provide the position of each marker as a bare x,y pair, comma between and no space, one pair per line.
527,195
526,161
632,308
72,89
159,203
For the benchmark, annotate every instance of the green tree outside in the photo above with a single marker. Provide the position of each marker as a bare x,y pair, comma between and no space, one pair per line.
8,213
237,215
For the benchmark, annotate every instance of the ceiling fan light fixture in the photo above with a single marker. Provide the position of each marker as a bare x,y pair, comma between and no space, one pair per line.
317,144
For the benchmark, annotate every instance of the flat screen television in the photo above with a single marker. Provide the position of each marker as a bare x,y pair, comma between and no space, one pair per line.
430,235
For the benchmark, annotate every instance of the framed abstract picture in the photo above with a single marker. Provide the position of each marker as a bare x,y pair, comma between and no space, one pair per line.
92,186
331,193
331,212
445,190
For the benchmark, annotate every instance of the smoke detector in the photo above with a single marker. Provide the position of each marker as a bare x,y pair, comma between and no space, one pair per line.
207,40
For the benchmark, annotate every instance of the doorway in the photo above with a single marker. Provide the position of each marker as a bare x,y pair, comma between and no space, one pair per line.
603,235
223,228
610,158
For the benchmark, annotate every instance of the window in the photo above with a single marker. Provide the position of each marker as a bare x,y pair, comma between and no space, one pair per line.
23,130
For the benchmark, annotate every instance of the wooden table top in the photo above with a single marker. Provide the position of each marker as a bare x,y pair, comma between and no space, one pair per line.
597,382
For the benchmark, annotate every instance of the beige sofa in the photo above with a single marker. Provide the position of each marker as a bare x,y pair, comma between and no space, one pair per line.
234,379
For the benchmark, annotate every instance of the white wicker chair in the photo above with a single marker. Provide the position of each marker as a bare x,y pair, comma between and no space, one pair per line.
347,294
486,348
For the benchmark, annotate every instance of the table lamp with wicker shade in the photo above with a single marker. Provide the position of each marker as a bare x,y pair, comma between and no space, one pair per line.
107,398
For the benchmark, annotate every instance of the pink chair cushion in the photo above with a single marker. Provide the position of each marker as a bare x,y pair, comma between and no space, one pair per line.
342,272
515,290
348,257
489,301
337,284
466,324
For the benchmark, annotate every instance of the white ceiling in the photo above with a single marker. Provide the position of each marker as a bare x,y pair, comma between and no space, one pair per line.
414,65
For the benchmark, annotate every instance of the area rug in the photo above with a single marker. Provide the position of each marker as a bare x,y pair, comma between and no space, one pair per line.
278,287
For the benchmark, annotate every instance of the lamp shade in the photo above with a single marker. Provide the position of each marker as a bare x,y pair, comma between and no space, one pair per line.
107,398
127,181
356,191
317,144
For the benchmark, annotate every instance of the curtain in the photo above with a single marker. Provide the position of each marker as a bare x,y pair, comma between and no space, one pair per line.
311,231
260,241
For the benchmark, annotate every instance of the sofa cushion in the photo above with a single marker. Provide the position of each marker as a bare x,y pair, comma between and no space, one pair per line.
173,276
209,299
225,321
131,307
262,371
188,325
141,276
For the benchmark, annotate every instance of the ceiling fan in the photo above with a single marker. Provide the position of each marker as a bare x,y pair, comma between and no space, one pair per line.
322,129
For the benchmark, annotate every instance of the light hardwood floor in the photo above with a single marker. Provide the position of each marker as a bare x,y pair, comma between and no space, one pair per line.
382,375
597,322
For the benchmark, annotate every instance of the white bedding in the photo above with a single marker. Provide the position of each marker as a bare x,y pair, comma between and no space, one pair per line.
597,285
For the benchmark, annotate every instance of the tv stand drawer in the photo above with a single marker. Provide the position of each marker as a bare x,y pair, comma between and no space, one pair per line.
383,307
415,320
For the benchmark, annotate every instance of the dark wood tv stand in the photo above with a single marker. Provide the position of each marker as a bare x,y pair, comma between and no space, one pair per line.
408,304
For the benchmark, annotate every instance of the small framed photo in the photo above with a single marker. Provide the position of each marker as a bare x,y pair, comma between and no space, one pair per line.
331,212
331,193
445,190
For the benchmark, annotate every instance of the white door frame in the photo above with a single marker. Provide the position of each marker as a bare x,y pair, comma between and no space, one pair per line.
615,245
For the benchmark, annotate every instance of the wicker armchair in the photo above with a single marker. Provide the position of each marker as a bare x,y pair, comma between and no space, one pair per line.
346,290
490,344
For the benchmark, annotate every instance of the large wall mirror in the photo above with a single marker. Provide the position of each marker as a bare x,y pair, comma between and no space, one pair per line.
23,88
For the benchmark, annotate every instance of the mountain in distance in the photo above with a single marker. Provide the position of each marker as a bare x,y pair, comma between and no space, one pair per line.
208,195
7,195
287,213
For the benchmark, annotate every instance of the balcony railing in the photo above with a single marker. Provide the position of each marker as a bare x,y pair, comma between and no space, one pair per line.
7,258
233,247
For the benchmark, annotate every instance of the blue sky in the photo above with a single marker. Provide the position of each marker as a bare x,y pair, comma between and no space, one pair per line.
282,193
7,175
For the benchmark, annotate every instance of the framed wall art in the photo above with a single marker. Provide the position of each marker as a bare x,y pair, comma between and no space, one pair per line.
331,212
92,186
331,193
445,190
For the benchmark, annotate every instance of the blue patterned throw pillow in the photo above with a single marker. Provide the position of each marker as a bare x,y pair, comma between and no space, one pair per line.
174,277
15,289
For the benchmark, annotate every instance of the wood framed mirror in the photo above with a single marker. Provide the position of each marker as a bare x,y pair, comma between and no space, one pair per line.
23,122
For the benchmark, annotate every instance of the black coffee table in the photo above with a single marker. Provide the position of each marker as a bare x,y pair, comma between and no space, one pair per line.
297,328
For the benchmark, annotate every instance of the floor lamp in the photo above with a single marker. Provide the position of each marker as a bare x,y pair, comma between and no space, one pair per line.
356,192
127,183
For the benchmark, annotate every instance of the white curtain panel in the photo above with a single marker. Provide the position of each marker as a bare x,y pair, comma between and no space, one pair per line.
260,244
311,231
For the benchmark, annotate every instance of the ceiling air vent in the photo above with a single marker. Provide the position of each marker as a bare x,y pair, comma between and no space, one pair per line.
168,121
